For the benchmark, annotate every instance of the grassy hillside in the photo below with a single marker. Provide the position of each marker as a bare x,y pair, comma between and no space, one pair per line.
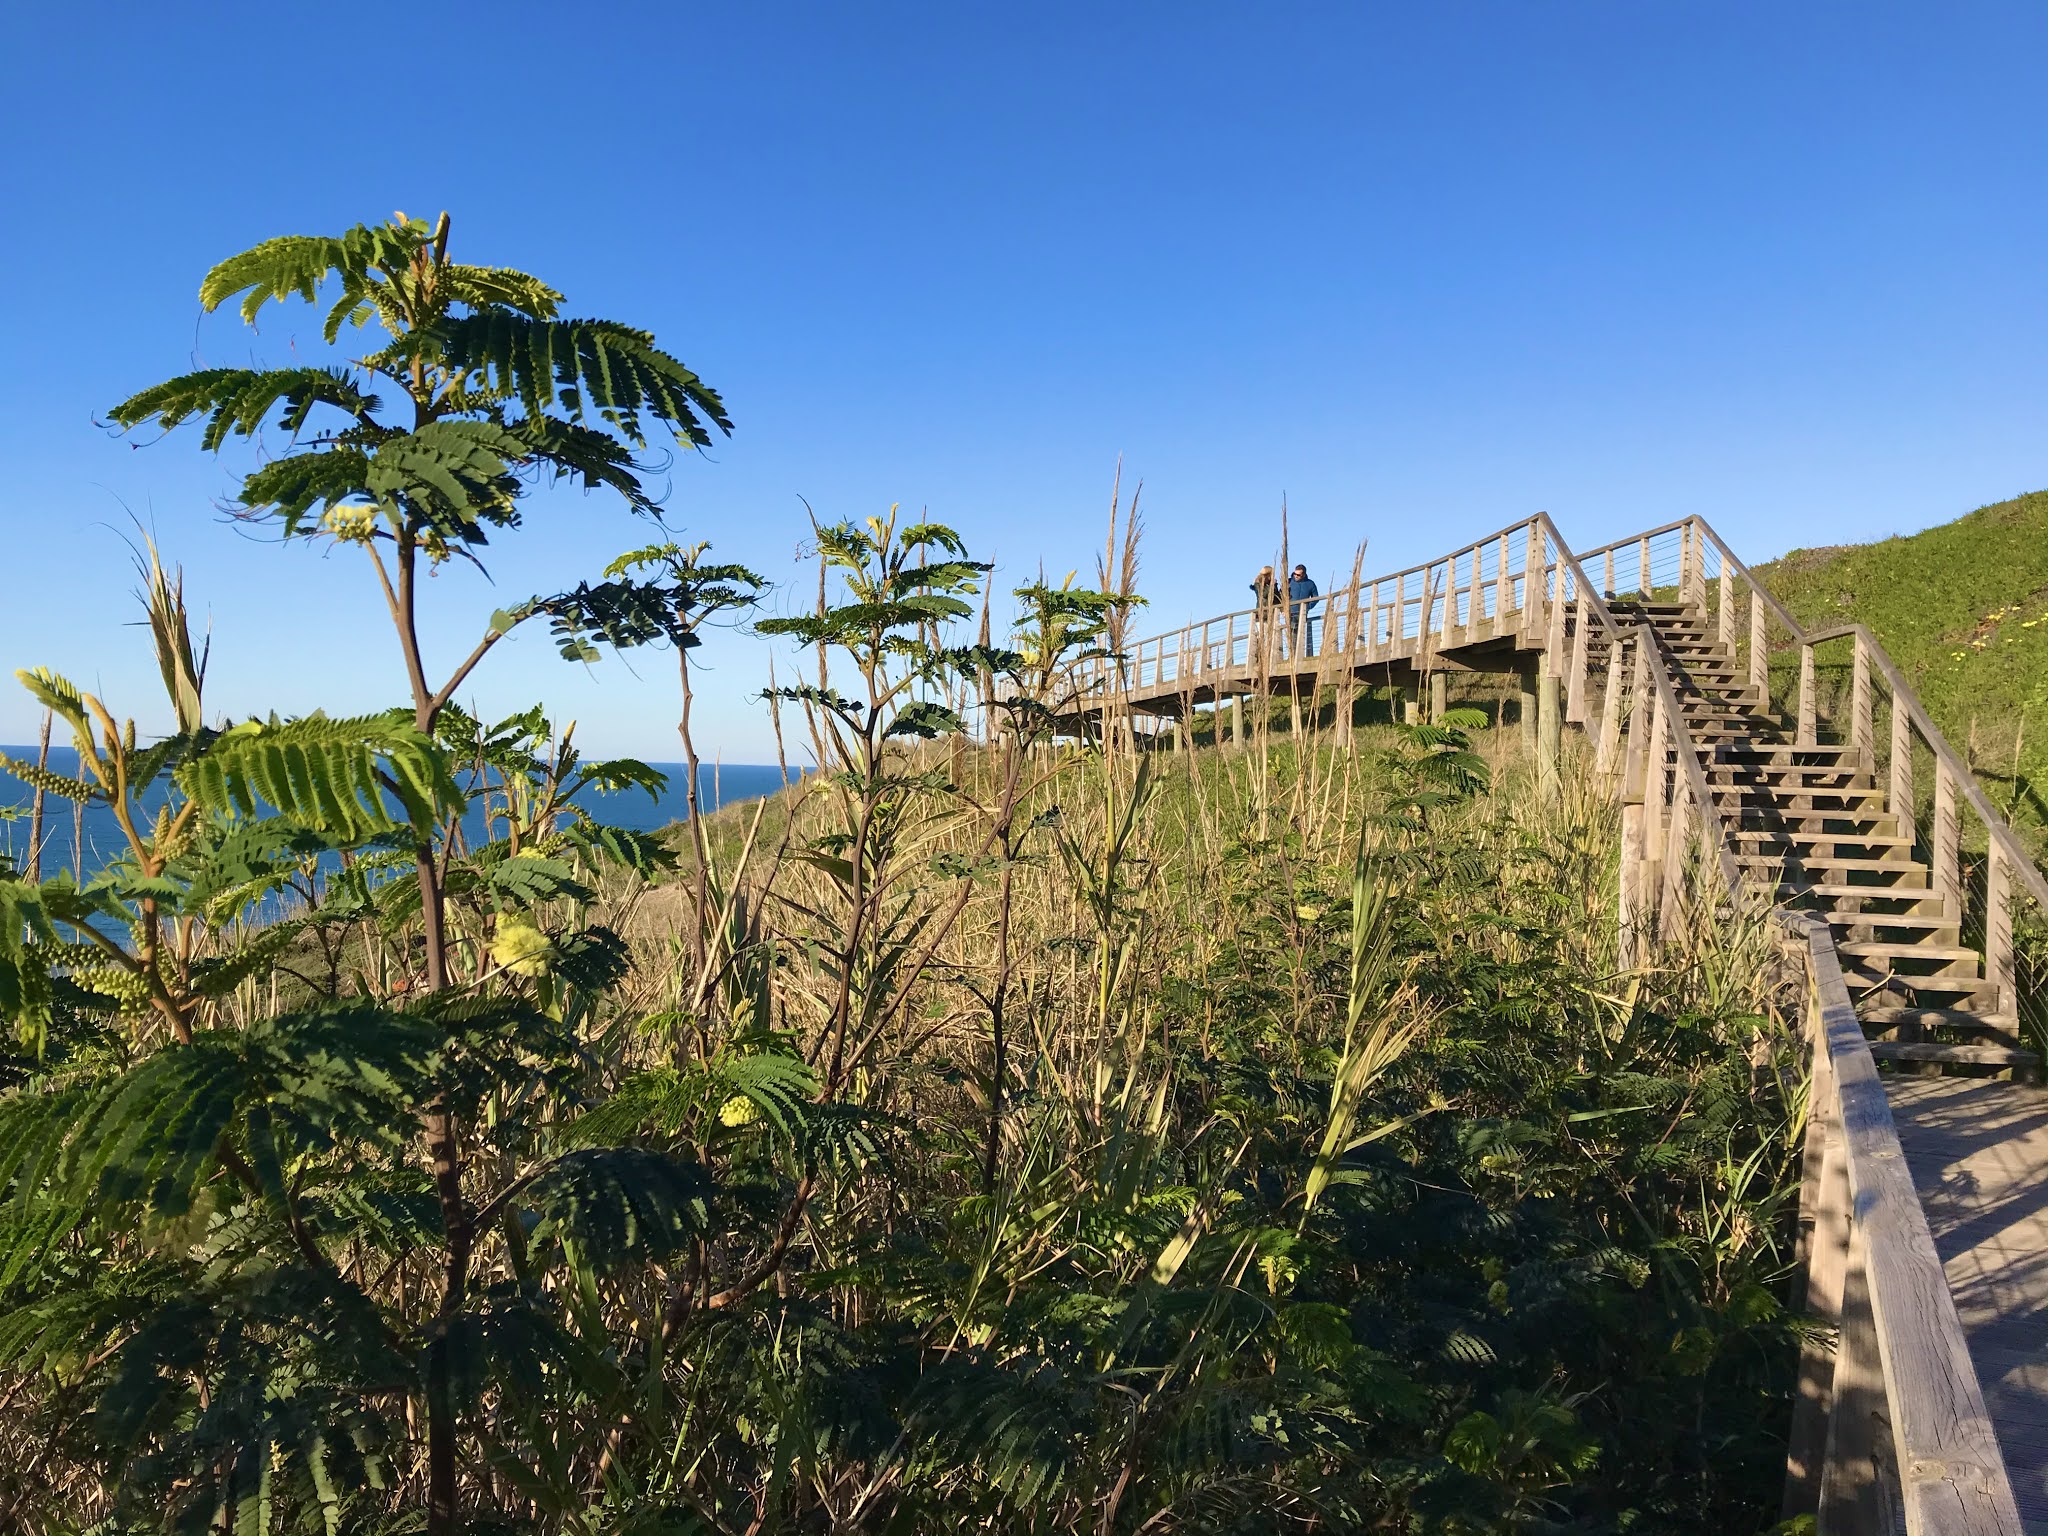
1963,609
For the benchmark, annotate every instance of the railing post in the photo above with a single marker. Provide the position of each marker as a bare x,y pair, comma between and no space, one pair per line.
1948,883
1725,611
1860,724
1607,575
1808,729
1553,629
1685,559
1631,885
1899,794
1397,630
1503,589
1449,622
1635,761
1610,708
1643,549
1759,653
1824,1233
1532,582
1575,697
1857,1491
1998,958
1653,805
1676,826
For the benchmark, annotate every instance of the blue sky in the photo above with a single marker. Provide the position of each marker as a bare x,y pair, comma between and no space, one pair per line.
1420,269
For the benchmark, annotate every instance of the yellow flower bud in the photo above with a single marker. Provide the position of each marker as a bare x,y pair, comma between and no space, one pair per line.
520,947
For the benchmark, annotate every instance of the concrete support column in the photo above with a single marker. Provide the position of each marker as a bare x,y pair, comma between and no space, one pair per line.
1411,702
1439,694
1236,722
1527,679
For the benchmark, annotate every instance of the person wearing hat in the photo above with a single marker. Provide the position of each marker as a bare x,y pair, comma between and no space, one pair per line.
1302,593
1265,606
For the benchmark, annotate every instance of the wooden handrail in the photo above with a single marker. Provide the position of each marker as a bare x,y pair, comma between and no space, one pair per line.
1995,826
1898,1421
1485,541
1755,586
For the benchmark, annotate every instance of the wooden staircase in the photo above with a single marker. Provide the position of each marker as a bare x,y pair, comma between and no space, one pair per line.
1810,822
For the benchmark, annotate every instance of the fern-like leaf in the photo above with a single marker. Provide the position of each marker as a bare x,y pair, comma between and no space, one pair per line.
596,367
237,400
332,776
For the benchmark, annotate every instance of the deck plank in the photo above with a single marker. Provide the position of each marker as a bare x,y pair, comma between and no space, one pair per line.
1978,1153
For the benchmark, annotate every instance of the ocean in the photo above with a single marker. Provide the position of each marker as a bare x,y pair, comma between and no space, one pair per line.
99,837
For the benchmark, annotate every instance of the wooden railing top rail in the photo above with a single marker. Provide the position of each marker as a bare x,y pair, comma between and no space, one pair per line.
1436,563
1635,538
1995,825
1763,592
1588,591
1951,1475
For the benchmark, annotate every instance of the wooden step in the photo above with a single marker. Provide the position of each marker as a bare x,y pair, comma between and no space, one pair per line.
1914,889
1945,958
1786,818
1789,753
1954,1055
1972,993
1757,776
1915,1020
1779,861
1790,801
1819,840
1934,927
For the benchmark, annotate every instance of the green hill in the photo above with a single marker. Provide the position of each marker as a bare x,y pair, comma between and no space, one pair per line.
1963,610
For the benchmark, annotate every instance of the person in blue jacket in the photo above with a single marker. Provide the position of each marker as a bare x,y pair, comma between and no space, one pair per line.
1302,593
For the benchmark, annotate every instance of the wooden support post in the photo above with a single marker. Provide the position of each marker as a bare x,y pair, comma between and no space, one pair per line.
1999,968
1630,948
1635,764
1677,832
1685,553
1808,725
1759,653
1503,589
1449,620
1824,1228
1236,722
1398,629
1575,697
1553,629
1948,880
1860,724
1654,806
1858,1488
1643,550
1611,706
1899,792
1532,581
1549,735
1439,694
1724,609
1527,678
1607,575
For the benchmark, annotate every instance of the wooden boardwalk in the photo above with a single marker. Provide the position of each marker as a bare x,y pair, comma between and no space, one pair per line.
1923,1407
1978,1152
